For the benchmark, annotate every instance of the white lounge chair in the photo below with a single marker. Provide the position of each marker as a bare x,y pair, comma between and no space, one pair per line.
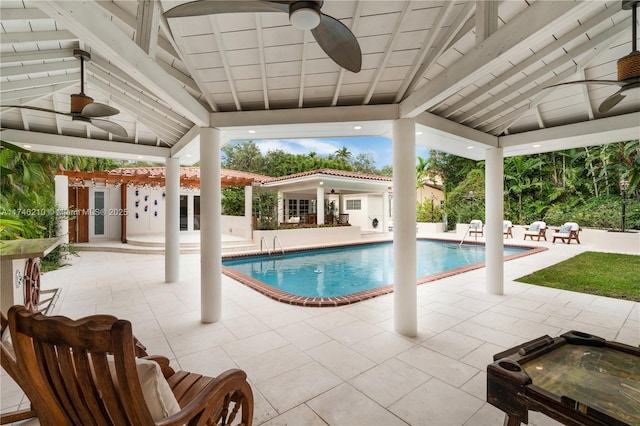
506,228
476,228
537,229
569,231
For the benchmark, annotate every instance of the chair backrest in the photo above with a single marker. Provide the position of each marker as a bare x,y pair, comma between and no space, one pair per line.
538,225
506,224
475,224
574,226
65,364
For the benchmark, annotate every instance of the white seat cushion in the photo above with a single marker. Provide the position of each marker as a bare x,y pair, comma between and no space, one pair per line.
155,389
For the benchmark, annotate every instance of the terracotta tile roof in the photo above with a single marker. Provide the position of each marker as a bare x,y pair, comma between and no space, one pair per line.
333,172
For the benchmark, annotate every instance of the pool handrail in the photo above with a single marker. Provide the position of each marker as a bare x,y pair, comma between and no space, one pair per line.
276,238
264,240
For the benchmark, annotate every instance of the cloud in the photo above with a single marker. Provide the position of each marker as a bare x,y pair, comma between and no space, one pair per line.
299,146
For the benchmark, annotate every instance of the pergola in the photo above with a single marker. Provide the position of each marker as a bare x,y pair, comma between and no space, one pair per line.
465,77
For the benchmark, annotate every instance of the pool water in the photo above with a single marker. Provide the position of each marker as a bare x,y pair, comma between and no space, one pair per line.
346,270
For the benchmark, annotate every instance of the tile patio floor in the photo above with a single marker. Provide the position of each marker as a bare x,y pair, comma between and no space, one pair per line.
345,365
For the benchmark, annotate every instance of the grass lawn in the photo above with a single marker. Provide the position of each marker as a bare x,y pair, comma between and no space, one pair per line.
604,274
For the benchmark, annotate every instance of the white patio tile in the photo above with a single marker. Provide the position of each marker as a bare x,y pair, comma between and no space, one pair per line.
353,332
297,386
444,368
452,344
382,346
342,361
273,363
344,405
436,403
254,345
332,319
303,335
301,415
389,381
245,326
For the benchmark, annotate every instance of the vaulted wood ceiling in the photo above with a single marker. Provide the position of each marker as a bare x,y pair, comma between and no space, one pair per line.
467,70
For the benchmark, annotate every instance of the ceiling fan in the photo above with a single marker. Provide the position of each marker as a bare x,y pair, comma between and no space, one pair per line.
82,106
628,67
337,41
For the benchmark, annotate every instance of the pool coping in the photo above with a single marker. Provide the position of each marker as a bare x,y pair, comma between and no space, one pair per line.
291,299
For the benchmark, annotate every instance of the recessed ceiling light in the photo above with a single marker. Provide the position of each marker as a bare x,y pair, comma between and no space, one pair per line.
357,127
537,145
252,131
27,146
418,133
140,157
470,147
188,155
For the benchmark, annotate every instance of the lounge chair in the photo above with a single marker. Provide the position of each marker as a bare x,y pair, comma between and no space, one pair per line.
569,231
506,228
476,228
537,229
87,372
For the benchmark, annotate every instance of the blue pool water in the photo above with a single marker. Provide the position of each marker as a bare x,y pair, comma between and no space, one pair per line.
345,270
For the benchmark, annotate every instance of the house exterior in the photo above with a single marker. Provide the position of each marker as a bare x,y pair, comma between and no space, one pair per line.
127,202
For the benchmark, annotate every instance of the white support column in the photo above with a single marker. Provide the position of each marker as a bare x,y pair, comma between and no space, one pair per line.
172,221
281,207
320,205
385,211
248,209
210,229
404,228
494,191
61,186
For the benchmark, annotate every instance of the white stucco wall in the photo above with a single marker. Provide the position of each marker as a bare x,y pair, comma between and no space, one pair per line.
146,210
371,208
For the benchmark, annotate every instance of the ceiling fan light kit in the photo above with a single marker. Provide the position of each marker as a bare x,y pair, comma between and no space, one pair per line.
304,15
333,37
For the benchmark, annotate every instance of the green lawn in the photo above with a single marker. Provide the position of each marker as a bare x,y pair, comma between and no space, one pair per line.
604,274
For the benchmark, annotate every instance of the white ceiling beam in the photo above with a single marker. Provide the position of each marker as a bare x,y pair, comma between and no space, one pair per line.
24,116
388,50
33,93
534,23
213,19
538,93
91,24
579,31
539,117
486,19
305,115
607,37
69,145
263,65
114,76
153,121
303,68
40,68
444,125
179,148
23,14
585,93
57,107
354,27
131,22
147,26
10,58
595,132
443,40
36,37
43,81
186,80
445,10
178,45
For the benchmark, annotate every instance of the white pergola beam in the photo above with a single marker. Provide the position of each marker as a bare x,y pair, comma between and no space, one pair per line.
486,19
147,25
36,37
263,64
535,22
9,58
33,94
213,20
92,25
40,68
29,83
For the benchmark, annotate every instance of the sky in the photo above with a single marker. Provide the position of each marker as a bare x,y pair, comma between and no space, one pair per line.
378,146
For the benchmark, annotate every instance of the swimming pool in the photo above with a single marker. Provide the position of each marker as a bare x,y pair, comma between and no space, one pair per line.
335,275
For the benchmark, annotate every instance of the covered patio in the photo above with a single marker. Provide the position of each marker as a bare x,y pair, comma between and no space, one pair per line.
469,78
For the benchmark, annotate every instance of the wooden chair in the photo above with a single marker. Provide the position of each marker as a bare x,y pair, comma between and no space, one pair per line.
8,361
537,229
507,227
86,372
569,231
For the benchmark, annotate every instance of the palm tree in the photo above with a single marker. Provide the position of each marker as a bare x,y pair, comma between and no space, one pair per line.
343,154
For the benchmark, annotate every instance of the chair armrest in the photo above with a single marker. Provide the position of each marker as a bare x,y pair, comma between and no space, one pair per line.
167,370
212,400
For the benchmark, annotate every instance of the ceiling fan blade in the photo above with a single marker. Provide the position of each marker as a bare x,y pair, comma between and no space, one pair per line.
35,109
109,126
610,102
210,7
95,109
339,43
607,82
